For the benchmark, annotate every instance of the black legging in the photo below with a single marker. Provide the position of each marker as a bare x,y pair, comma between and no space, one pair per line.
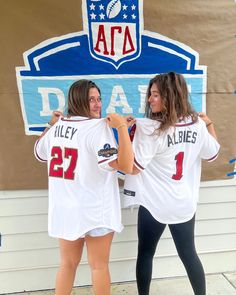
149,233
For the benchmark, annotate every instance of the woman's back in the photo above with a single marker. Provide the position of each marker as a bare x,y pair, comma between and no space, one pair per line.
170,164
83,194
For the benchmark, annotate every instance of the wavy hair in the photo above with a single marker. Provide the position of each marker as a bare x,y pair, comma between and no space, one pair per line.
175,100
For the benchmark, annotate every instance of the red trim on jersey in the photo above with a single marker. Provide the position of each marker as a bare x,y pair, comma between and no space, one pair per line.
138,165
35,151
102,161
132,132
213,158
78,120
184,124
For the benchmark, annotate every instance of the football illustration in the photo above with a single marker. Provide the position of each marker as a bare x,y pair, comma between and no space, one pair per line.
113,8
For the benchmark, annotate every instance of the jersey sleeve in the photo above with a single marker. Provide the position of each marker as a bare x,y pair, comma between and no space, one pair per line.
145,142
210,146
104,145
41,148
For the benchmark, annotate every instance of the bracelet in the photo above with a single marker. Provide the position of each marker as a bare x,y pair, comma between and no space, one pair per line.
48,125
209,124
121,125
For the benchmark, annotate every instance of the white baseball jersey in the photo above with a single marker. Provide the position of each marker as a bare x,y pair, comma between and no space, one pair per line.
83,188
170,165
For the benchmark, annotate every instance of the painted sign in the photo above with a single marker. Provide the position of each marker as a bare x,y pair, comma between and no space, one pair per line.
115,52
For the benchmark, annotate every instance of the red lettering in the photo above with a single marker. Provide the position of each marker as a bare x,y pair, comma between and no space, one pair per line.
101,39
128,38
128,45
113,37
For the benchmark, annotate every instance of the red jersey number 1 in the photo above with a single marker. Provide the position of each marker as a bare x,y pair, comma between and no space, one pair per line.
179,166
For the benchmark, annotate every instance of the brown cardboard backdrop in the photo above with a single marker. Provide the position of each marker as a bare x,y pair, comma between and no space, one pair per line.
206,26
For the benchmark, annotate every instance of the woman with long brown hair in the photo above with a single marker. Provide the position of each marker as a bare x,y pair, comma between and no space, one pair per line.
168,146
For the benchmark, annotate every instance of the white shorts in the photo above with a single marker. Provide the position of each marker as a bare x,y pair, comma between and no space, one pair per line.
98,232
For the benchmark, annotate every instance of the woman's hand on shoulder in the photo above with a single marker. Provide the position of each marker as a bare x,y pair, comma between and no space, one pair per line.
209,124
117,121
55,117
130,120
205,118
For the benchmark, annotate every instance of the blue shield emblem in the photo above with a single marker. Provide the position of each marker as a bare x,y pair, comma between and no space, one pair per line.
114,29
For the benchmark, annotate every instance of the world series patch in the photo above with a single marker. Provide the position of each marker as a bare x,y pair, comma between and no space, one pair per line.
107,151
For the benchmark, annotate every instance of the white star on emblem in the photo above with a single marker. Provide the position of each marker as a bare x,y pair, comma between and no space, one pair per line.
92,7
102,16
125,16
133,7
124,7
101,7
93,16
133,16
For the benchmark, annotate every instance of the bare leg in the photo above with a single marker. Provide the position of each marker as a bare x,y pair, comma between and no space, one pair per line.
98,258
70,252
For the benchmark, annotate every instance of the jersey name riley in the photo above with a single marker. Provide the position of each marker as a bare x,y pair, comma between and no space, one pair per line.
65,131
187,136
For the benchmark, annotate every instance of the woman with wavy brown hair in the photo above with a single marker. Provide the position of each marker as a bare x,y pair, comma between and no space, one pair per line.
169,146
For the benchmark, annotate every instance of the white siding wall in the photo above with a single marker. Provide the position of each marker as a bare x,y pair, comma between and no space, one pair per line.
29,258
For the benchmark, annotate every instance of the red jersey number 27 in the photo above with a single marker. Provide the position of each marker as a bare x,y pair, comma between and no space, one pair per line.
179,166
56,168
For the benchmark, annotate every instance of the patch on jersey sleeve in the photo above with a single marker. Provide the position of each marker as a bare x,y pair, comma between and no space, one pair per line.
107,151
129,193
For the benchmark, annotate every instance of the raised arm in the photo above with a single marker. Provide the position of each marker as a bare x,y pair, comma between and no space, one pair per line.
55,117
209,124
125,159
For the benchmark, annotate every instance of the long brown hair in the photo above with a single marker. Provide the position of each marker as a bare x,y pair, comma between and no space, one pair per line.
175,100
78,98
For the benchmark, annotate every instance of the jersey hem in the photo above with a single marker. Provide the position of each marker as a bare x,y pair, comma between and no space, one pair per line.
81,235
170,222
136,204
